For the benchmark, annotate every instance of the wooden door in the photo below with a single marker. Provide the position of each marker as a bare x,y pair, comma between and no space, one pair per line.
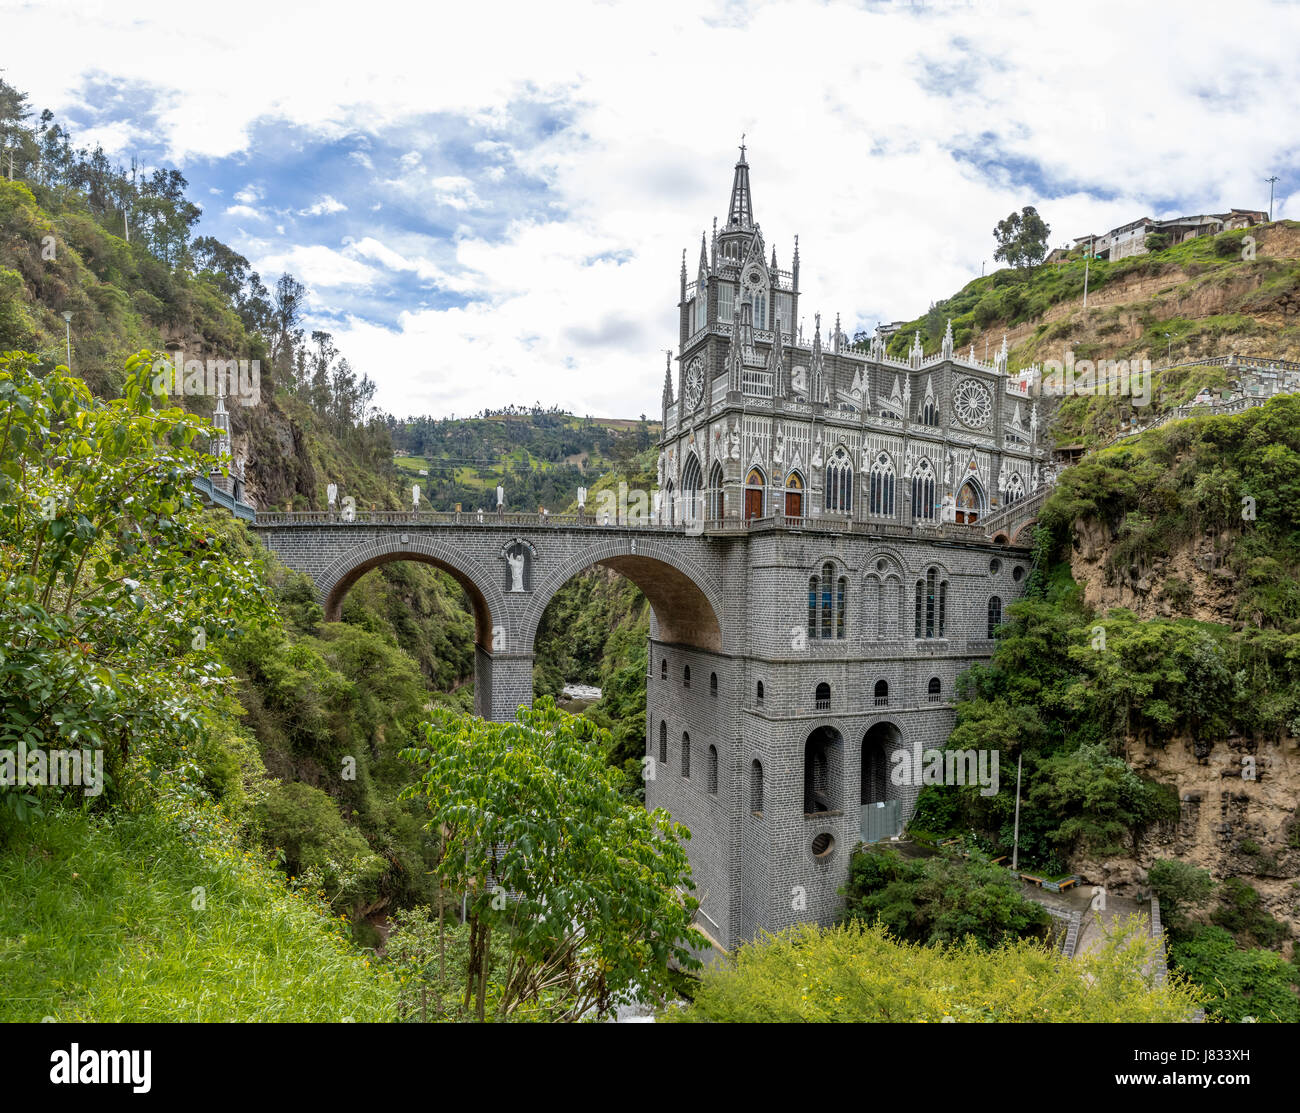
794,504
753,502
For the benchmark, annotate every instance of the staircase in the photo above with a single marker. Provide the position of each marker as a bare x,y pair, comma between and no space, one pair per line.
1011,518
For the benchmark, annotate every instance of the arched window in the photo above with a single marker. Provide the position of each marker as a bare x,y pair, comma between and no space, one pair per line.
827,604
692,488
882,693
923,488
823,696
930,412
713,684
931,605
686,755
758,694
828,585
701,306
713,770
663,743
668,505
839,482
882,487
934,689
755,486
1015,488
663,668
756,787
716,509
686,676
995,615
758,300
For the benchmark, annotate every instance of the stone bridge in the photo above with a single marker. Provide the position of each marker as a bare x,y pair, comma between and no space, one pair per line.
678,574
511,566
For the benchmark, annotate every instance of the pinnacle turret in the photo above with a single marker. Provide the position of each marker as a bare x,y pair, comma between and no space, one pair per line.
740,213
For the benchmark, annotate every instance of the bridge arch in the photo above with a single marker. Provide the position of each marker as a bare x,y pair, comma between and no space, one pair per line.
687,604
336,581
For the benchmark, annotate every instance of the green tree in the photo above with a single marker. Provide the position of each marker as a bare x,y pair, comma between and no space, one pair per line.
1181,888
582,889
940,900
114,592
1022,238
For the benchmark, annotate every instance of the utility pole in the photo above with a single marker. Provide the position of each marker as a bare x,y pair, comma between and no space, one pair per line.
1015,844
1269,180
67,320
126,224
1087,260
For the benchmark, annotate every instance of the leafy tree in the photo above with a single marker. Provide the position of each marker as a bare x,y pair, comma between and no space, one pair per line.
1239,911
1022,238
1180,887
582,889
1239,983
940,900
113,590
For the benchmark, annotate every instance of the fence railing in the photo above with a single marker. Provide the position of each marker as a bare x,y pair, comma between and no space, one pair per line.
709,526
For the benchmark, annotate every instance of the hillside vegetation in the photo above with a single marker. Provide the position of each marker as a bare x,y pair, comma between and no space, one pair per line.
1203,298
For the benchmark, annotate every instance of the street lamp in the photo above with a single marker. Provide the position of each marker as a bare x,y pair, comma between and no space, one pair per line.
67,321
1169,348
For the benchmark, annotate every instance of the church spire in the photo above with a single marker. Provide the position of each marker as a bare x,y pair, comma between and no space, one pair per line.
740,214
668,380
220,443
704,255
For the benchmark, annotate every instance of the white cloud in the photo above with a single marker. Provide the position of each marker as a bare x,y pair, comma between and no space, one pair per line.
325,206
245,211
852,117
456,192
320,267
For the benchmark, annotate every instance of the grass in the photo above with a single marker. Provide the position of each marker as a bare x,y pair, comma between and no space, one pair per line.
101,920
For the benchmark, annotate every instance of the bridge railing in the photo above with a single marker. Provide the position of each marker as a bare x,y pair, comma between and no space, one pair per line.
711,527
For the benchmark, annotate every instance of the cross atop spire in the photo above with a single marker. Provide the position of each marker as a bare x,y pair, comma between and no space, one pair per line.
740,214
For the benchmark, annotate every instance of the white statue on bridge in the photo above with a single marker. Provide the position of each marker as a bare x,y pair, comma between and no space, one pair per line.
415,497
332,493
516,561
501,497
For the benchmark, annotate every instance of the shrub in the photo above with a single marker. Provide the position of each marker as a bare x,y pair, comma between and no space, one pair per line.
858,973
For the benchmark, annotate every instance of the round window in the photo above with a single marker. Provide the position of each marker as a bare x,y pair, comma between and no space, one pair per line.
1018,573
823,844
995,566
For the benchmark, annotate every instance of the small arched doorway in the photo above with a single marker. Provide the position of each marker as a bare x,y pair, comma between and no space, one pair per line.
794,495
822,758
755,484
881,798
970,502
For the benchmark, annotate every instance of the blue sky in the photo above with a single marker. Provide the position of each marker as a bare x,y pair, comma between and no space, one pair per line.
489,202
